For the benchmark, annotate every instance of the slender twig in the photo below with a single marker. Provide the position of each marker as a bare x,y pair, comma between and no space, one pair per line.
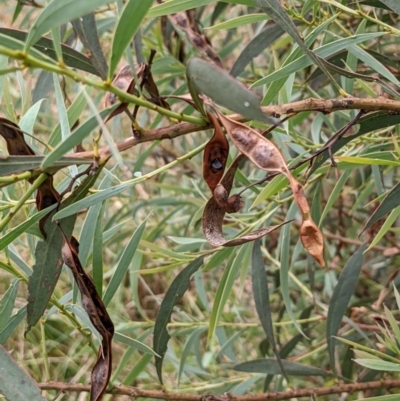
352,241
35,185
310,104
334,139
185,128
30,61
284,395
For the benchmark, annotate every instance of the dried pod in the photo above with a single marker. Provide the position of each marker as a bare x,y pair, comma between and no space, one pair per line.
46,196
213,216
262,152
313,240
124,81
310,235
215,155
17,146
14,137
230,204
221,195
98,315
299,196
187,23
152,89
234,204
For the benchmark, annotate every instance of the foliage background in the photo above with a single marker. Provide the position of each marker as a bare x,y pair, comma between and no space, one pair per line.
215,326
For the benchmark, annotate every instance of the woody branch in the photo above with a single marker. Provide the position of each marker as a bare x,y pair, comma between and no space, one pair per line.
284,395
325,106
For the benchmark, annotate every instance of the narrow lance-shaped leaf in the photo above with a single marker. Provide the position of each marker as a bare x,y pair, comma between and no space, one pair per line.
394,214
57,13
48,263
374,3
124,263
255,47
261,299
72,58
390,202
271,366
324,51
175,6
17,164
12,324
91,200
376,364
15,384
392,4
74,113
172,297
56,35
133,343
7,303
235,22
192,341
76,137
340,298
284,258
128,24
369,123
225,286
86,30
28,120
275,10
91,235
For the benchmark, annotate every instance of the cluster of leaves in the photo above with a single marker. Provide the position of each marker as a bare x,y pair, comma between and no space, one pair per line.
96,181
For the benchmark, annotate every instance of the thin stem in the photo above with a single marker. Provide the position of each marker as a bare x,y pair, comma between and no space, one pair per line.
274,396
75,322
44,350
53,301
359,13
374,352
36,184
235,325
30,61
183,128
11,179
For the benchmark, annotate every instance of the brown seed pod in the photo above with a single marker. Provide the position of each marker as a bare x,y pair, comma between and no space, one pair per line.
213,216
98,315
215,155
14,138
264,154
313,240
230,204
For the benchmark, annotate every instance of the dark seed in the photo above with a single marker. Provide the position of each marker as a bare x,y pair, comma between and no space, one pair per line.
216,164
